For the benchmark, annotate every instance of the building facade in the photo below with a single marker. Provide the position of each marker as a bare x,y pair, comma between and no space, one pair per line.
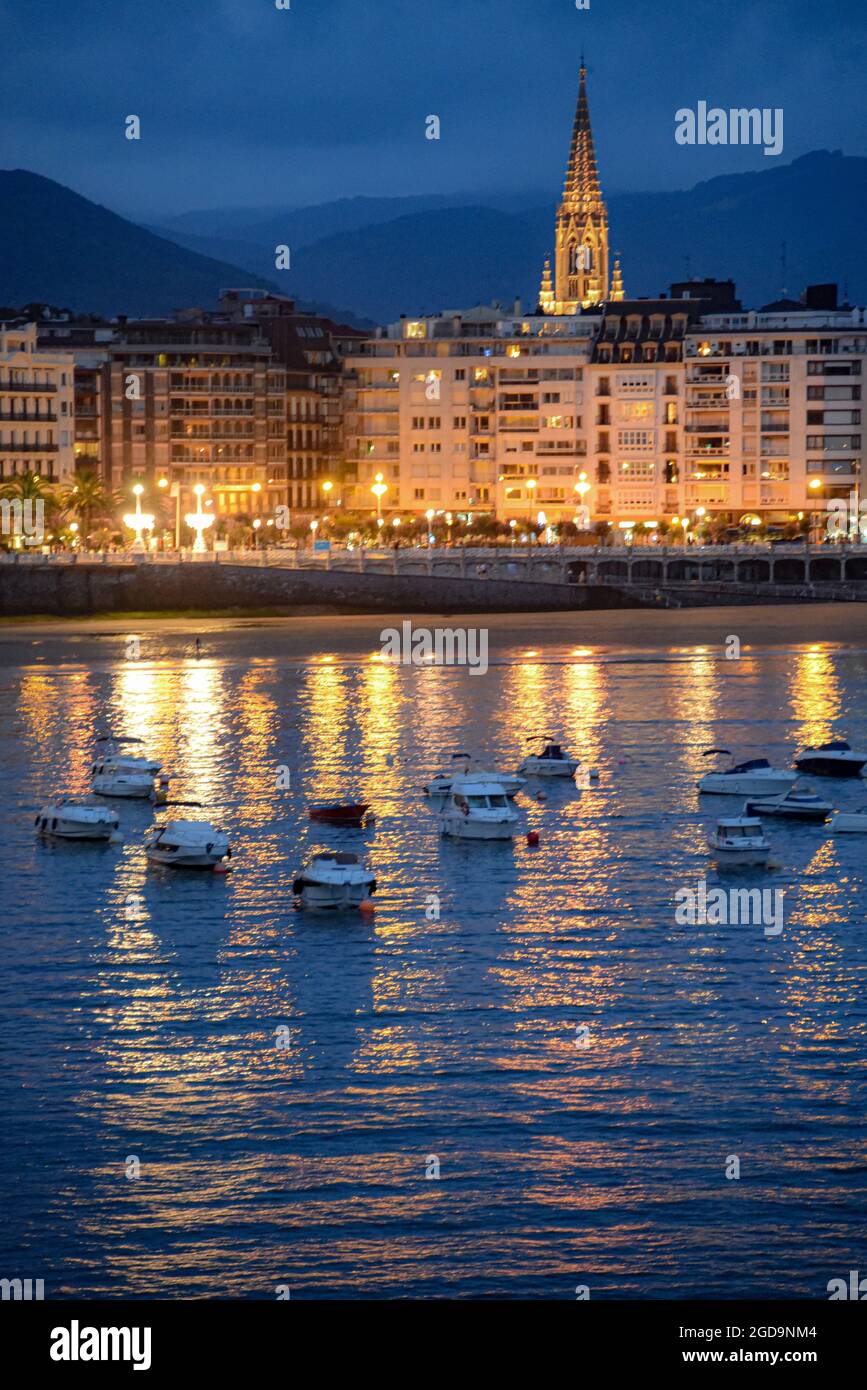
36,408
599,409
244,400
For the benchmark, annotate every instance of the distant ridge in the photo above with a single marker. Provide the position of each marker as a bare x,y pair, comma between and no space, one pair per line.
381,257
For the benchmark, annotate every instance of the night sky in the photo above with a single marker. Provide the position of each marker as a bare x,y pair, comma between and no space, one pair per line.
245,105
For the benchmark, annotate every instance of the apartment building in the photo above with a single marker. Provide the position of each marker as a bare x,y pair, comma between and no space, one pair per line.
684,406
473,412
36,408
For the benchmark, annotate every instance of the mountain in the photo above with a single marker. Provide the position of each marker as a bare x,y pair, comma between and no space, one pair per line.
454,252
783,227
57,247
810,213
299,227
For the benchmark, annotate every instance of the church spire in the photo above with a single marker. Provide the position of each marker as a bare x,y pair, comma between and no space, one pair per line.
582,175
581,257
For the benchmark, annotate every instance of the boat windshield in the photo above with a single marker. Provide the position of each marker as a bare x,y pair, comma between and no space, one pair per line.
497,800
478,803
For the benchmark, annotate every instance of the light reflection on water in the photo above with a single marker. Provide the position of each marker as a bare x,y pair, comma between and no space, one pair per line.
142,1008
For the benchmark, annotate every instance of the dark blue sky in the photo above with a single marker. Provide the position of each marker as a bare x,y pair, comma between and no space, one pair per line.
242,104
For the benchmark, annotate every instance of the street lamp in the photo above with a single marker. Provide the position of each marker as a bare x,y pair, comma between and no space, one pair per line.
430,514
199,521
138,521
379,490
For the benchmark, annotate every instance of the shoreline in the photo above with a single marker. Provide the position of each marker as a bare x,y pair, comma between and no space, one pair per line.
841,625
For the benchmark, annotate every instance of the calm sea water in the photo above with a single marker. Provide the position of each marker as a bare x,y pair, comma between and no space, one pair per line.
141,1009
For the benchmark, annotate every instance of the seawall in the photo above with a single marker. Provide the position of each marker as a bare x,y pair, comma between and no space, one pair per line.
77,590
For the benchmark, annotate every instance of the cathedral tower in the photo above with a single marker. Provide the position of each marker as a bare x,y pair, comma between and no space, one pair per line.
581,255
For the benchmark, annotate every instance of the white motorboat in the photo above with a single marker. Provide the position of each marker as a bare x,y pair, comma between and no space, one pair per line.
441,784
188,844
551,762
110,778
77,818
477,809
740,842
334,879
835,759
798,803
112,752
753,778
850,822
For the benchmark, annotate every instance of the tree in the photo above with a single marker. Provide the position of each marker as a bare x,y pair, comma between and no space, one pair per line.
30,488
90,502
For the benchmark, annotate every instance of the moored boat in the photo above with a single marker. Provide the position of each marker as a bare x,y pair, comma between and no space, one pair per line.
112,752
76,818
188,844
755,777
552,761
334,879
740,842
350,813
850,822
798,803
441,783
835,759
110,778
477,809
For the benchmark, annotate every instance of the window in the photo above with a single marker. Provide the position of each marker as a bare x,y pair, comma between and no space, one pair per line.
418,422
460,422
460,374
433,422
419,494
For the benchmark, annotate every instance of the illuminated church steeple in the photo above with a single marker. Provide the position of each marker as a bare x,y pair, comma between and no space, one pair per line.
581,256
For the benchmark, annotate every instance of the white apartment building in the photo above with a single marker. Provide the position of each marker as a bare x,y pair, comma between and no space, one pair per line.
36,408
468,412
650,409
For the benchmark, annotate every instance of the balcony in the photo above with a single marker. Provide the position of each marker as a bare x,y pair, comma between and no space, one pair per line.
28,417
28,387
27,448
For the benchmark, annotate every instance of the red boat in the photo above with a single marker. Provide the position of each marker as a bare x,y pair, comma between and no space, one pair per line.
342,814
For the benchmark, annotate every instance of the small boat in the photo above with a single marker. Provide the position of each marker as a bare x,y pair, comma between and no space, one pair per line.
343,813
188,844
128,761
739,842
798,803
109,778
441,784
477,809
835,759
334,879
850,822
753,778
77,818
551,762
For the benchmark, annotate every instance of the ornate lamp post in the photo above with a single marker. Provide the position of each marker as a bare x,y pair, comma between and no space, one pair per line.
379,489
138,521
199,521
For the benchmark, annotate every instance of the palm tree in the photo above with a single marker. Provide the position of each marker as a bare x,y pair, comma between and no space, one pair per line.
90,501
29,490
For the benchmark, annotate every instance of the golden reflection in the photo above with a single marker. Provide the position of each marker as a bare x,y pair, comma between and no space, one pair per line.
814,694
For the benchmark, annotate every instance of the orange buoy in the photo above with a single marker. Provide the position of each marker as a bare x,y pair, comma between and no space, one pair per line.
533,838
367,905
